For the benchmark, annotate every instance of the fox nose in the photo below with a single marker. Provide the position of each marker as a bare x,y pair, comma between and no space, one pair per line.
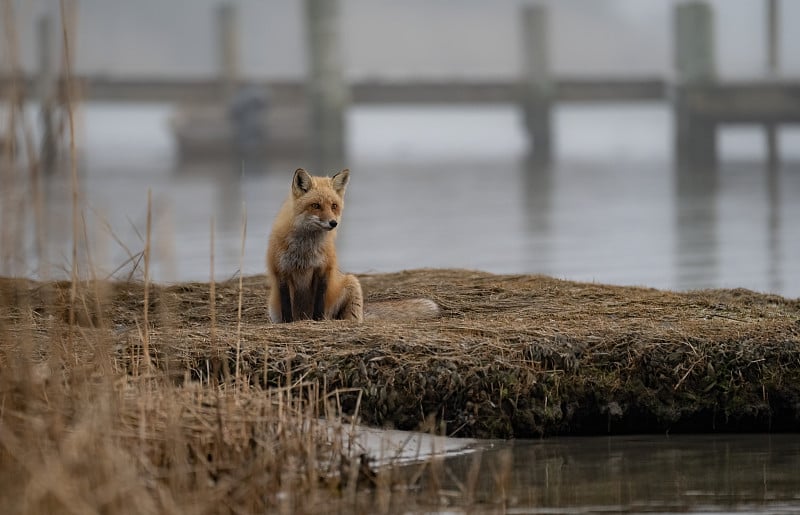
333,223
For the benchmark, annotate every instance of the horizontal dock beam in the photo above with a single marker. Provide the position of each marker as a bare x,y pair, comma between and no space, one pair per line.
106,89
756,102
740,101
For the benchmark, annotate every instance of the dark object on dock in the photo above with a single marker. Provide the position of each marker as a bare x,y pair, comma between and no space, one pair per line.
207,131
247,113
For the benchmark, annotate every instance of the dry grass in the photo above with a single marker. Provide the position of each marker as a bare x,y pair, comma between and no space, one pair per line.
512,355
86,425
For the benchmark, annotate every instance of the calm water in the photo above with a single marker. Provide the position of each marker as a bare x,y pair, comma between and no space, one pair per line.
650,474
451,187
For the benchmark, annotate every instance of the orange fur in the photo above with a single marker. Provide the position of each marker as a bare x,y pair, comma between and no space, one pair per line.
301,260
301,257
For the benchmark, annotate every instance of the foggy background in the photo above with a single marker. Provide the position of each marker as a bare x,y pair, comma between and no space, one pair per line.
438,185
413,38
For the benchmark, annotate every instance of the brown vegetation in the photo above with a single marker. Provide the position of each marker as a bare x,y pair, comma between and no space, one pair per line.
512,356
226,414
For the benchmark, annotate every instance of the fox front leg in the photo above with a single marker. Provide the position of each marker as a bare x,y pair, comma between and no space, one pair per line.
286,302
319,287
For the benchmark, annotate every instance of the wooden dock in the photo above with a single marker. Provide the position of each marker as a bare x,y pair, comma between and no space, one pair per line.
300,109
707,105
701,109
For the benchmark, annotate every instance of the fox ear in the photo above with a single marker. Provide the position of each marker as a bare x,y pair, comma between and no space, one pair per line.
340,180
301,182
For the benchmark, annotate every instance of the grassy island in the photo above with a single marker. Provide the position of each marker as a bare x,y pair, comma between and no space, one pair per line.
211,392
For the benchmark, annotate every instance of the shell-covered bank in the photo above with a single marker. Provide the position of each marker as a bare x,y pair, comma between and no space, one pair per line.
510,356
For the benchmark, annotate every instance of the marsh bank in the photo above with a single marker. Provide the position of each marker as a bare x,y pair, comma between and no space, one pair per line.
512,356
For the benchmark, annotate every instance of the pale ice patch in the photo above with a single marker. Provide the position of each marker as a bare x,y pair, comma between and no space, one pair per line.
394,447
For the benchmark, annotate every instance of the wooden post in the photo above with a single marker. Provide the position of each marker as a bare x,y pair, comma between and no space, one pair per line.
771,129
46,93
695,136
228,49
694,43
328,94
538,88
773,36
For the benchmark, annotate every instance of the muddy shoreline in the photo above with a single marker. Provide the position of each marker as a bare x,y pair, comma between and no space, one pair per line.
511,356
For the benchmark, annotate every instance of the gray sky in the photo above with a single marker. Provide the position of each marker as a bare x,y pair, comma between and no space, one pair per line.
409,38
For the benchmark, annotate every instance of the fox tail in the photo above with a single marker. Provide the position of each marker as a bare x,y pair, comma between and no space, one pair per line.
406,309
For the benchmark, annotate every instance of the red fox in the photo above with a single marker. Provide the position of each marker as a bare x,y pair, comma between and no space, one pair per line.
301,259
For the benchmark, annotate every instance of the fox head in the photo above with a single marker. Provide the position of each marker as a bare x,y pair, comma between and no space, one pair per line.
318,201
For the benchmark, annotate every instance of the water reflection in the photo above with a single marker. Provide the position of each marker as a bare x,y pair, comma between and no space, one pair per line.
627,223
772,176
655,474
537,181
696,242
750,209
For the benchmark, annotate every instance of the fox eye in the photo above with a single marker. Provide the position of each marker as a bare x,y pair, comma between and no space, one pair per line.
334,206
315,206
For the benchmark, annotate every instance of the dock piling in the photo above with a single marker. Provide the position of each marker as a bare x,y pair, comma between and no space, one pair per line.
695,135
328,95
538,88
46,92
773,60
227,34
